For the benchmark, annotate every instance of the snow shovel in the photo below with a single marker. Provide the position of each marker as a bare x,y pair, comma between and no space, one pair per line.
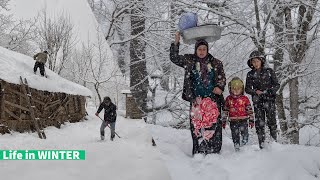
110,127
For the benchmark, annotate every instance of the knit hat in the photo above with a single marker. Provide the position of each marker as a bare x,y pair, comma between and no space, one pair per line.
236,83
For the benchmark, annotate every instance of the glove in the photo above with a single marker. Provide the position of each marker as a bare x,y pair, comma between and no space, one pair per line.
251,124
224,125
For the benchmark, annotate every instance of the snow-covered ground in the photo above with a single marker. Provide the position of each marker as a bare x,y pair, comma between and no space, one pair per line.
132,157
276,162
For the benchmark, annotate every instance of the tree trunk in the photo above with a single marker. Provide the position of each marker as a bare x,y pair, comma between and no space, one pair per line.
96,87
278,25
122,52
297,48
294,111
138,68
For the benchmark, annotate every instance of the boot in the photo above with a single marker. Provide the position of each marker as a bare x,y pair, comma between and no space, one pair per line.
261,145
237,147
261,138
102,137
273,133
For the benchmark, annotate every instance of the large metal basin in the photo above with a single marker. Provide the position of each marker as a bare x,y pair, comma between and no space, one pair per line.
209,32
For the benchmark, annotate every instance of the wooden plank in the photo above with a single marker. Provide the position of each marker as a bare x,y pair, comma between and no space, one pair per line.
16,105
65,101
38,101
54,102
20,99
32,112
23,95
11,114
27,92
2,98
14,91
58,102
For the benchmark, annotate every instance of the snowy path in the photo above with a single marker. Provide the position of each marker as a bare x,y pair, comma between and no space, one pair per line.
277,162
130,158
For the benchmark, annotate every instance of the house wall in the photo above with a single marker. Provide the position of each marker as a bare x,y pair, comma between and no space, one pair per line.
51,109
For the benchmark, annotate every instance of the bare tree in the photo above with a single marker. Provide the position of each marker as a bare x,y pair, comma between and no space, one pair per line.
20,36
15,35
5,19
96,68
56,36
299,42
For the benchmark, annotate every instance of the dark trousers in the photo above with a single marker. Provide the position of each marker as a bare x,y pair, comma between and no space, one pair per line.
112,126
41,67
239,127
264,109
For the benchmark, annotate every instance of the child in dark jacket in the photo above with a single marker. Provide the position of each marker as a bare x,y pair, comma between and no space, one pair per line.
239,111
110,116
262,84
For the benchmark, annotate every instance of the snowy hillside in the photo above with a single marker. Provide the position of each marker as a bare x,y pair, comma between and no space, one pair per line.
13,65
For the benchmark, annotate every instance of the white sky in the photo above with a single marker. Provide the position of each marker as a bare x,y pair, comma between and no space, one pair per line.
78,10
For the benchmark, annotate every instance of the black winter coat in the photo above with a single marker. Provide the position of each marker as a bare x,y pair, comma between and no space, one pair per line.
110,113
187,62
264,80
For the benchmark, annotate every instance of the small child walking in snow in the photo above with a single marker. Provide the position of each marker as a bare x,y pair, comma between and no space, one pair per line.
239,111
110,116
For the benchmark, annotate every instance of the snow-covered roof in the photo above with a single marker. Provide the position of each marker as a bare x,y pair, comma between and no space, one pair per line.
13,65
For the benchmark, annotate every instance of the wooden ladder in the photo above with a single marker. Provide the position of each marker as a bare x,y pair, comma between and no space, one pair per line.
26,90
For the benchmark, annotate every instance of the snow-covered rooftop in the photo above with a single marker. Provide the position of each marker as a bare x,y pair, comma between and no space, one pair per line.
13,65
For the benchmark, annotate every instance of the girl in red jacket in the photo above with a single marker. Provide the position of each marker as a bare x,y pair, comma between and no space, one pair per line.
239,111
